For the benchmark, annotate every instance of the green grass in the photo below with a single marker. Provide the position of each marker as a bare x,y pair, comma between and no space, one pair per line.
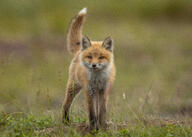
22,125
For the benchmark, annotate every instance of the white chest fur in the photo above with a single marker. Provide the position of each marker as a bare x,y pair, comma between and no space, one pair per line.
97,81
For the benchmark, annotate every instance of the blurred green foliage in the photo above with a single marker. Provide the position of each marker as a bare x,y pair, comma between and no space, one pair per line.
37,17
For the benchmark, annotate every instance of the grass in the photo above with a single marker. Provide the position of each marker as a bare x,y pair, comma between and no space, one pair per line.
22,124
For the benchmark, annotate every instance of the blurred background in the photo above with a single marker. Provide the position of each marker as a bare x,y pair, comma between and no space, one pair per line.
153,55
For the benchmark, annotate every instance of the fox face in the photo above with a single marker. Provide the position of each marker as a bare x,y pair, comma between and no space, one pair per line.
96,56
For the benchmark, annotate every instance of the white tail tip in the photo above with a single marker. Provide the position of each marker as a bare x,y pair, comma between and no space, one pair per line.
83,11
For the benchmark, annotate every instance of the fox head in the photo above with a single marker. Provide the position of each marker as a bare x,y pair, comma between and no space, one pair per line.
96,56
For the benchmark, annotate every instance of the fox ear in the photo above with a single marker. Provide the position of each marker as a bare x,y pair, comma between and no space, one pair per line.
85,42
108,43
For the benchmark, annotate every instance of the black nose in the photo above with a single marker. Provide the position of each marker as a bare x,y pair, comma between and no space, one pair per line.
93,65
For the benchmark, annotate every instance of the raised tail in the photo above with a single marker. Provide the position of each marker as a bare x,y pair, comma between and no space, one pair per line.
74,35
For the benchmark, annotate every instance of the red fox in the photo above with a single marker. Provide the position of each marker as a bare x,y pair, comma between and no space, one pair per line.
92,70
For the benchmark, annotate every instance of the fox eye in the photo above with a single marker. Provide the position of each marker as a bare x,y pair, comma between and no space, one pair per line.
101,57
89,57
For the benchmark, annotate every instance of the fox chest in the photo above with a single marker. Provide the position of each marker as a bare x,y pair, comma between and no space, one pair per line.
97,82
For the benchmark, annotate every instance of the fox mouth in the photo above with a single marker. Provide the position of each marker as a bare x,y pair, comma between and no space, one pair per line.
94,68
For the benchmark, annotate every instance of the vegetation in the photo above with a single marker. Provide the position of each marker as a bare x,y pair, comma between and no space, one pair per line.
21,124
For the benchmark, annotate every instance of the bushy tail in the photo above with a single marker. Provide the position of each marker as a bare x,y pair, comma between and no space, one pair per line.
74,35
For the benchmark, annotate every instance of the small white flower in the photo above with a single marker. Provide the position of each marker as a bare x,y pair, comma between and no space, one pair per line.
124,96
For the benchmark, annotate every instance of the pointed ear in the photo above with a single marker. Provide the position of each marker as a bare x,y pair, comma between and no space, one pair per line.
108,43
85,42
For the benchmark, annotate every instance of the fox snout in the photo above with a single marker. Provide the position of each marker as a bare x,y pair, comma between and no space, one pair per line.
94,65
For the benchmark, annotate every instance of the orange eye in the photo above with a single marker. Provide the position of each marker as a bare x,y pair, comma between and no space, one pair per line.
89,57
101,57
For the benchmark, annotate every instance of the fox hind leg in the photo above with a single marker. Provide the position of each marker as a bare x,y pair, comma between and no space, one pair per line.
71,91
